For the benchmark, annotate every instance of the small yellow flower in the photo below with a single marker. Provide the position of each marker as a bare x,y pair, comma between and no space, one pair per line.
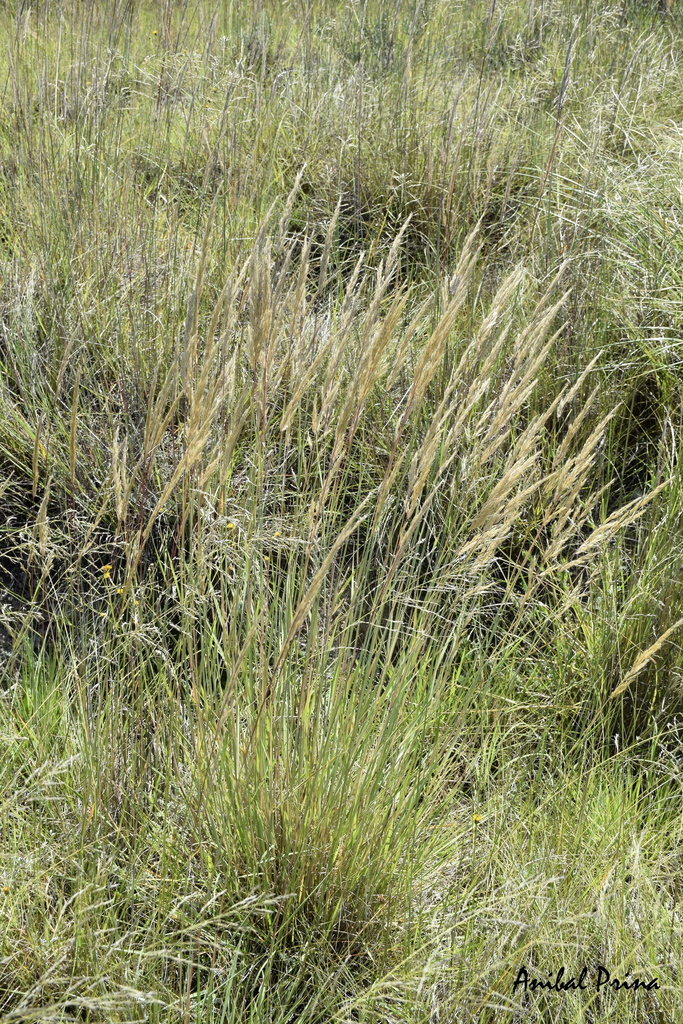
231,526
266,558
119,590
277,533
477,818
155,33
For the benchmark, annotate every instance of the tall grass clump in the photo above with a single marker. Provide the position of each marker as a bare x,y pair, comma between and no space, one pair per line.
340,570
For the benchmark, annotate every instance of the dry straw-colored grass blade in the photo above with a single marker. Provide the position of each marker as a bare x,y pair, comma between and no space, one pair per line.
644,659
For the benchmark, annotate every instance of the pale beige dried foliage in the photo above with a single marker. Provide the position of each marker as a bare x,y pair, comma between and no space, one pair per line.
480,448
644,658
495,498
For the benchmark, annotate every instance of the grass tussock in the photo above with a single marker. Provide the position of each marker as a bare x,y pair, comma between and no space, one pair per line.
340,569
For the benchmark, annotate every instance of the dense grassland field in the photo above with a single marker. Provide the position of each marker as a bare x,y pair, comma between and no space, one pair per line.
341,513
